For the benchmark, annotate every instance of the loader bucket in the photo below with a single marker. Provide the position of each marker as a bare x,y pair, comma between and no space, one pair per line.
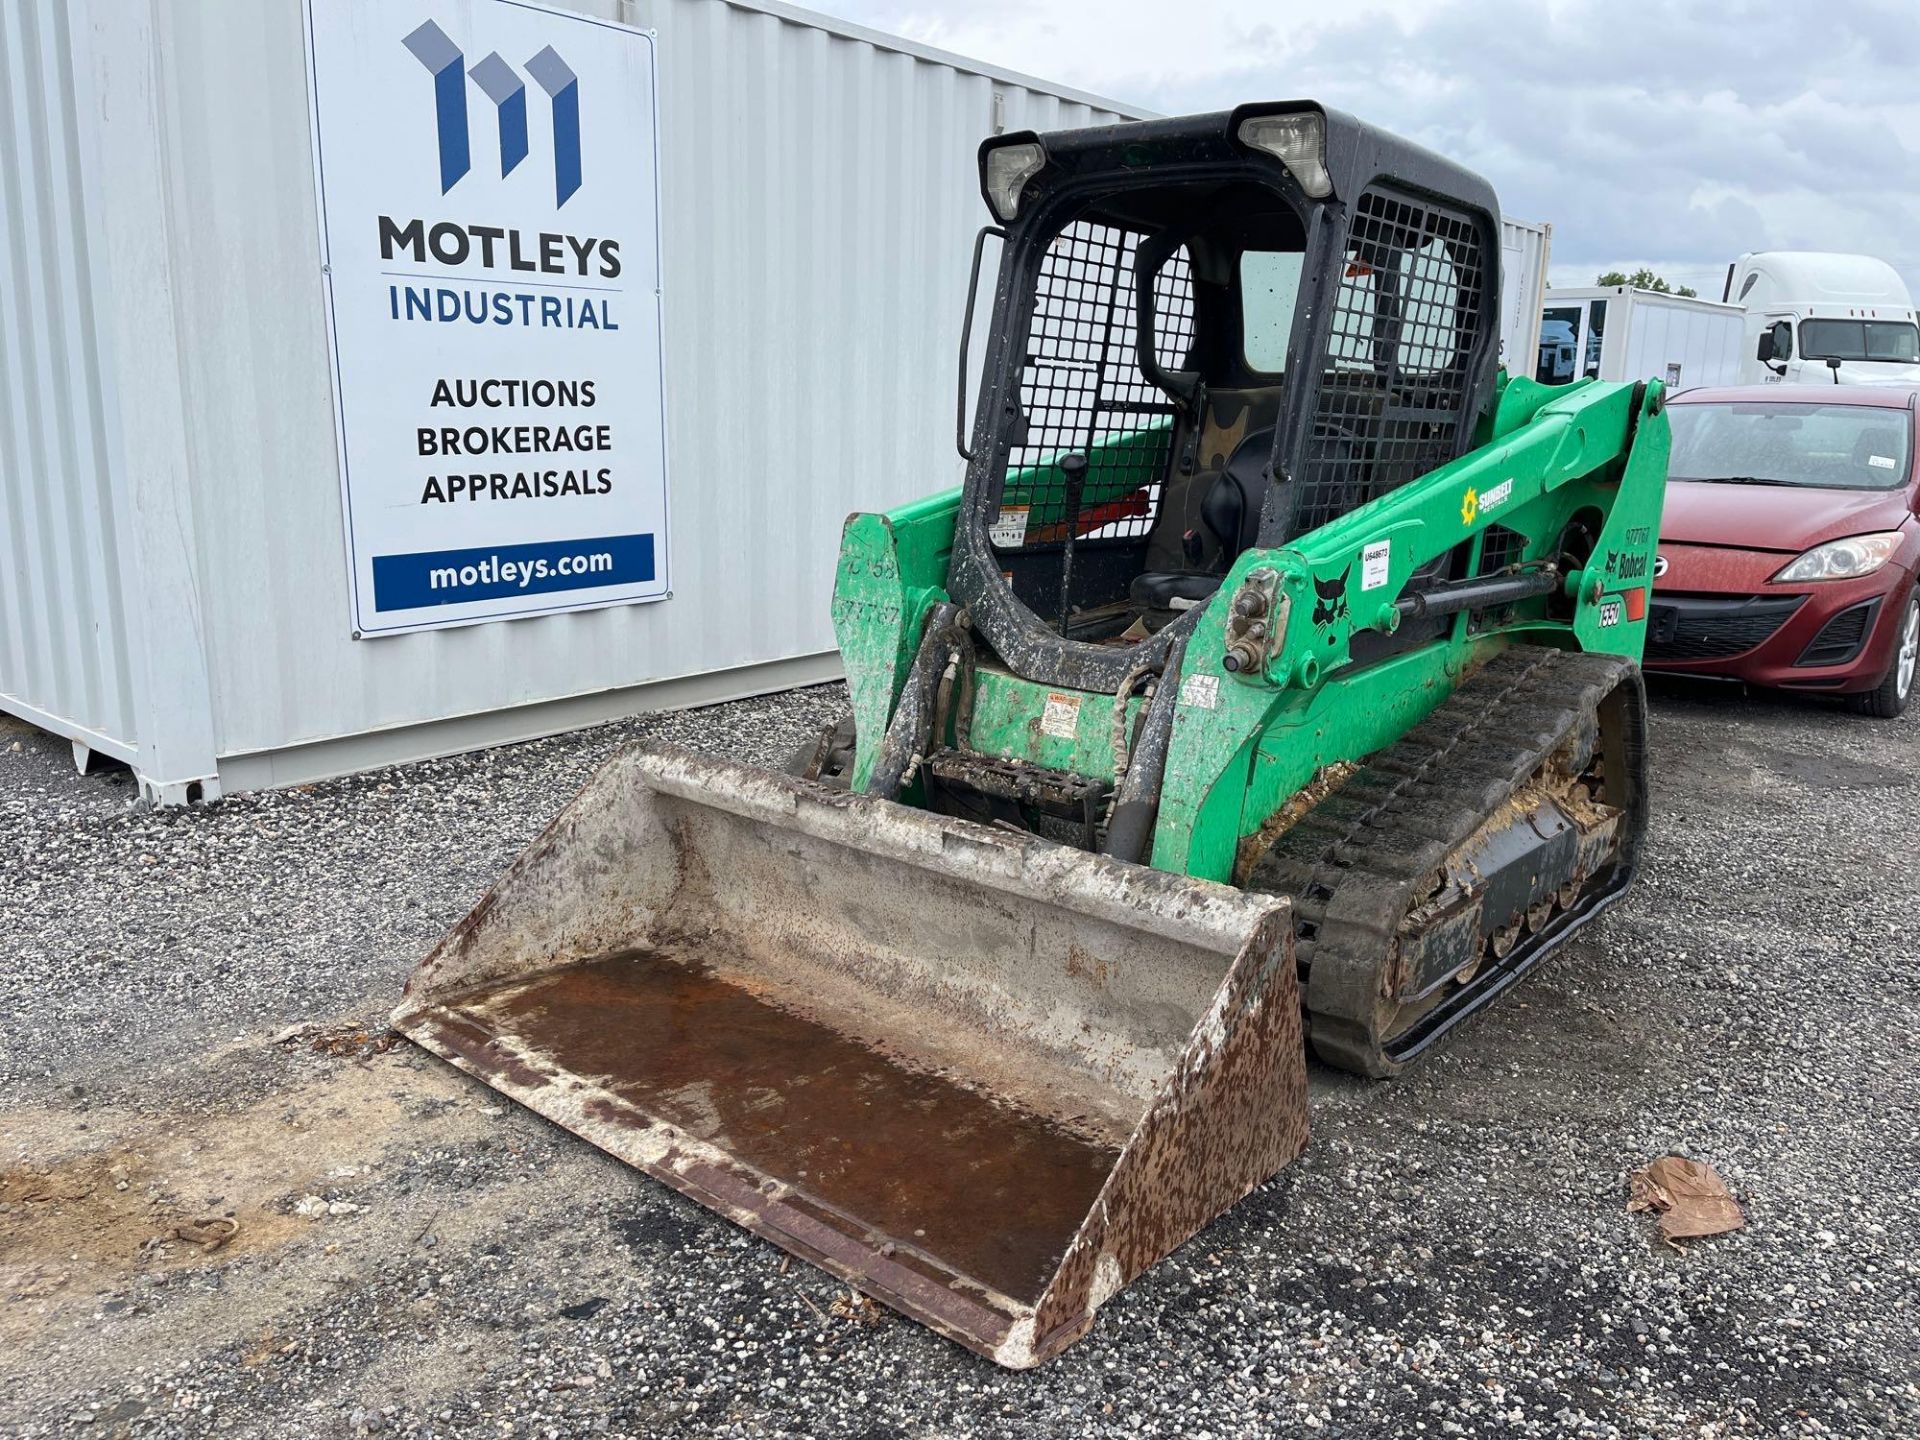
984,1078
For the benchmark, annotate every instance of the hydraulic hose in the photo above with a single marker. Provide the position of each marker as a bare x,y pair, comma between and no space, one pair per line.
910,733
1138,803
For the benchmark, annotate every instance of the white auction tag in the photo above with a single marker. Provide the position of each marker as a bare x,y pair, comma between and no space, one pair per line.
1374,564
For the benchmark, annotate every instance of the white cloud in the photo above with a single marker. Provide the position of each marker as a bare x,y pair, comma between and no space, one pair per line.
1671,134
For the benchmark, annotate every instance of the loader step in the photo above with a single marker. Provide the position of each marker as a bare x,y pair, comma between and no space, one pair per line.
1453,862
1066,808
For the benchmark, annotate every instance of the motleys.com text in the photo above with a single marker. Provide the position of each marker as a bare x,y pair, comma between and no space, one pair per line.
459,577
495,571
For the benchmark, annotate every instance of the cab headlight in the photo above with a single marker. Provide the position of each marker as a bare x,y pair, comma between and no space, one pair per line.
1297,140
1004,173
1847,559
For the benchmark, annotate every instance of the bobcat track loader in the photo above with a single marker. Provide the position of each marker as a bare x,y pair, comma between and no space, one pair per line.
1270,684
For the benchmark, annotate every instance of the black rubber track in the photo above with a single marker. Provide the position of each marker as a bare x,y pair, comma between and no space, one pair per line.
1355,863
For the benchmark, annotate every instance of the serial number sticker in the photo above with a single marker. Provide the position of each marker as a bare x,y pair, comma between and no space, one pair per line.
1060,717
1881,462
1010,529
1202,692
1374,563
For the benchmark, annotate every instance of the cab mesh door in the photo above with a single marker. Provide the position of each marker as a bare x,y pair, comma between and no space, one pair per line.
1394,399
1081,390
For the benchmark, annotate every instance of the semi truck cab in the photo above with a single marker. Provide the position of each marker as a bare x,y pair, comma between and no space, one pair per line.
1824,319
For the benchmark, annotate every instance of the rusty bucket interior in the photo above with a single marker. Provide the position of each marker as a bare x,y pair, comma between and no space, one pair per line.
982,1077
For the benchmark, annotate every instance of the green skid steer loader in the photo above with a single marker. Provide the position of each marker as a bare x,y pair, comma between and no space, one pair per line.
1271,683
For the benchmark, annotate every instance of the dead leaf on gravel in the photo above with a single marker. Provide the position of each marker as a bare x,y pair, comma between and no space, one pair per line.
209,1233
341,1042
856,1307
1688,1195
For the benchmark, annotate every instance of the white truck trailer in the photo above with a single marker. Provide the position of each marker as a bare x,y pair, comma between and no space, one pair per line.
1614,332
1784,317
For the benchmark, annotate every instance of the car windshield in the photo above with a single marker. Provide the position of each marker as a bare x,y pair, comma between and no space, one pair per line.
1779,442
1896,340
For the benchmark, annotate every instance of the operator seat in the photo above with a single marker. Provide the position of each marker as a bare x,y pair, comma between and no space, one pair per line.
1230,506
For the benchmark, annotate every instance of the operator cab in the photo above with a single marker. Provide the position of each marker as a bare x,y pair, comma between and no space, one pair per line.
1144,417
1176,434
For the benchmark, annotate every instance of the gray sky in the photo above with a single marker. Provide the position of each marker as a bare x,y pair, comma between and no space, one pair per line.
1676,135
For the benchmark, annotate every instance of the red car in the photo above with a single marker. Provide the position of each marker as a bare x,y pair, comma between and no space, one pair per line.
1789,544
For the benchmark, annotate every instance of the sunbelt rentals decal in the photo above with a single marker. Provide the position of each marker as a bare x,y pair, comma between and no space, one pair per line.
1476,503
488,175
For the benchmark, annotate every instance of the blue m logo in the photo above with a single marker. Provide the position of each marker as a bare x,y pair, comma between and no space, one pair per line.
501,84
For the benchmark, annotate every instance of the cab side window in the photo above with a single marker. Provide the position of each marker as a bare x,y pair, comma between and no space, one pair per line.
1429,308
1269,286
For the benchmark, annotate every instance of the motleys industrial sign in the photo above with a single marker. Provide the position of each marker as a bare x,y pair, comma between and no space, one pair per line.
489,210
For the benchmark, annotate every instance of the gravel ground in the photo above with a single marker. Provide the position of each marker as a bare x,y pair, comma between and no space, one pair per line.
1452,1257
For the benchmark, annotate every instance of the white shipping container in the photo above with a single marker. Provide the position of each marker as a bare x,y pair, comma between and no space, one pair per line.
174,590
172,584
1627,334
1525,251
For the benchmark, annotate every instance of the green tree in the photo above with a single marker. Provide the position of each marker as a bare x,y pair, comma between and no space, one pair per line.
1644,279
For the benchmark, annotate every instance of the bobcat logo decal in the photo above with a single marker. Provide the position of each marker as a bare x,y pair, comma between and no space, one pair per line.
1330,598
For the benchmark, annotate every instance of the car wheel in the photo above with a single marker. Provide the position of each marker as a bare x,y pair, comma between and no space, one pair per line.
1889,698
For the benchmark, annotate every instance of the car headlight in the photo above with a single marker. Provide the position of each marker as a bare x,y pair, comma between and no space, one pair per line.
1847,559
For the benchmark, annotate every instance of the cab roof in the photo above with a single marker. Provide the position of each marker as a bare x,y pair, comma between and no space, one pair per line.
1357,153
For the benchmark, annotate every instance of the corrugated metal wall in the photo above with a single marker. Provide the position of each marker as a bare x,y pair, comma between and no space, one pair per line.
819,199
64,647
172,558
